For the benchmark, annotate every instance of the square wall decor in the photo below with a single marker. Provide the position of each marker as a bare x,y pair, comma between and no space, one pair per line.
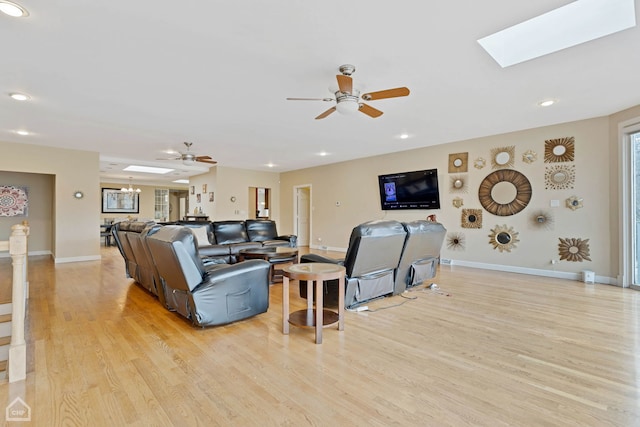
458,162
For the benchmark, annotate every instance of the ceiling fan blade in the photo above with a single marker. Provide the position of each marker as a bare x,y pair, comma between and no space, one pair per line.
326,113
310,99
370,111
389,93
205,159
170,158
345,83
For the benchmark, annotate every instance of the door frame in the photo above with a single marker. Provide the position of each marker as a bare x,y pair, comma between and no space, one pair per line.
296,189
626,217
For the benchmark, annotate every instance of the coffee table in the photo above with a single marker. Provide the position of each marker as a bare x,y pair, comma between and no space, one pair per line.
275,255
318,317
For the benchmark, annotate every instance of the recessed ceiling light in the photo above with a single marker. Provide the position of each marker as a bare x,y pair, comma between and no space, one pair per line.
323,153
270,165
147,169
22,132
547,103
13,9
181,181
570,25
19,96
404,135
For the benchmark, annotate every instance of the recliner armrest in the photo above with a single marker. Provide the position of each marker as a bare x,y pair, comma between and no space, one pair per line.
320,258
291,238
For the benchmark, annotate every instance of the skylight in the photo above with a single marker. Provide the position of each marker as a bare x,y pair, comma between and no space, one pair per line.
181,181
567,26
147,169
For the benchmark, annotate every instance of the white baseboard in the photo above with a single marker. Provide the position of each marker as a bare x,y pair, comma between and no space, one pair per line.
530,271
78,259
328,248
31,253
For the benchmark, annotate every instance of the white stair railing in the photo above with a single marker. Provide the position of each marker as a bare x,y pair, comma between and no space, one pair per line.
17,247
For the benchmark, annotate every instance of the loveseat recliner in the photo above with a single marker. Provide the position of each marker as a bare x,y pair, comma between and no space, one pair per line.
371,261
214,294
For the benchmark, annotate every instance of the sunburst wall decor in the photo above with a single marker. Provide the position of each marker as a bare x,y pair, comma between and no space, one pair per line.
574,249
559,177
456,241
457,202
518,180
574,202
471,218
542,220
502,157
529,156
503,238
559,150
458,184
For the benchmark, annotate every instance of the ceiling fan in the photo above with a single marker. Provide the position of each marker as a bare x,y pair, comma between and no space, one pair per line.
188,158
348,99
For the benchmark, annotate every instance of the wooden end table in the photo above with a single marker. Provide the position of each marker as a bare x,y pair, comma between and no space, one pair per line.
275,255
319,317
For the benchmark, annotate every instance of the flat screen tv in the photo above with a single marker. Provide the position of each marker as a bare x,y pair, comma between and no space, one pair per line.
410,190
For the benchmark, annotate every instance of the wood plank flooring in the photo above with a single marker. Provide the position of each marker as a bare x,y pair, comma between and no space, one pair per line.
488,349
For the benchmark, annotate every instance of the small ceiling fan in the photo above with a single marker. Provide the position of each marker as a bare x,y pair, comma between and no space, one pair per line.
349,100
188,158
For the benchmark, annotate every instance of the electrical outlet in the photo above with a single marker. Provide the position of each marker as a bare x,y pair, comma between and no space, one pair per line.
445,261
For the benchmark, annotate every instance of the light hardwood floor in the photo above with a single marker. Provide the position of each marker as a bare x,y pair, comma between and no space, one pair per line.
489,349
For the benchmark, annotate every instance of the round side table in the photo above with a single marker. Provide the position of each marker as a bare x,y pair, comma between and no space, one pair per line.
319,317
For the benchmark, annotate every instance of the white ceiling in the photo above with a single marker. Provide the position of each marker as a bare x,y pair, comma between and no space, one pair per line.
131,79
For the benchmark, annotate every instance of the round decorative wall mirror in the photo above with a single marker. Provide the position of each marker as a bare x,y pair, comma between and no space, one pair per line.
457,163
503,237
458,183
78,194
559,150
512,192
560,177
471,218
504,192
502,158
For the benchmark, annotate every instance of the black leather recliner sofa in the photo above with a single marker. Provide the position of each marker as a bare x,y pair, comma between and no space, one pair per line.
214,294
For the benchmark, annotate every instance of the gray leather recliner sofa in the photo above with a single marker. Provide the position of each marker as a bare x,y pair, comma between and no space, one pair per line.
371,261
214,294
420,254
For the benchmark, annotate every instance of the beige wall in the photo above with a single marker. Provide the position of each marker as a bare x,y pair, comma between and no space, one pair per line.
40,189
232,182
354,185
75,224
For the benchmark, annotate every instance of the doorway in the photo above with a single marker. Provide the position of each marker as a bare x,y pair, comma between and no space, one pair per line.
302,214
634,140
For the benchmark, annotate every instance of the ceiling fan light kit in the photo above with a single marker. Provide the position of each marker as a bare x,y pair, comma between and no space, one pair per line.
190,159
347,98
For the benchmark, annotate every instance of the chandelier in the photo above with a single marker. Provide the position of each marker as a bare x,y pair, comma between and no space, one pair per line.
130,189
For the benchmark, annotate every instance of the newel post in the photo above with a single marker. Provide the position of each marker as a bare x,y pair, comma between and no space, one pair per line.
18,347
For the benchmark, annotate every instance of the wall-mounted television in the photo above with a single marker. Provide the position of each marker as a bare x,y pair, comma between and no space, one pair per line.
410,190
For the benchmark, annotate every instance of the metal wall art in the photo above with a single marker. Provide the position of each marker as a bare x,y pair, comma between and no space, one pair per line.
456,241
559,150
573,249
574,202
505,192
559,177
458,184
471,218
458,162
529,156
542,220
503,238
502,157
479,163
457,202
